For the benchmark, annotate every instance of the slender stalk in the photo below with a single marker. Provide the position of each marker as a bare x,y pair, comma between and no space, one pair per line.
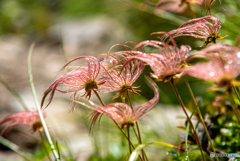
190,9
135,132
200,115
128,133
117,123
186,140
189,120
138,129
44,145
99,98
38,105
14,147
234,107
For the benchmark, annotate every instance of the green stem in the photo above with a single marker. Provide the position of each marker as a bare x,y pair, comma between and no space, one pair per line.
14,147
44,145
128,133
135,132
117,123
189,120
55,153
199,114
186,140
138,129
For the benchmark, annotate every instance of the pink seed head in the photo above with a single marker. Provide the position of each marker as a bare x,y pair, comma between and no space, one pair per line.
29,118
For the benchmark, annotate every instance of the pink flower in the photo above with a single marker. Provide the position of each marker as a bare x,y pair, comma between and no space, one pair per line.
164,64
122,113
118,78
29,118
82,79
223,67
199,28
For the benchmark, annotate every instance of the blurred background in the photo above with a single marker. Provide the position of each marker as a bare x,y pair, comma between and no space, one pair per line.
63,30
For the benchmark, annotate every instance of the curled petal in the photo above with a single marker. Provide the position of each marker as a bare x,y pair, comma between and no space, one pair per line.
146,107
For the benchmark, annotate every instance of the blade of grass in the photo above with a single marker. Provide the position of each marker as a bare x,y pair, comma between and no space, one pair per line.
55,153
186,140
137,151
16,148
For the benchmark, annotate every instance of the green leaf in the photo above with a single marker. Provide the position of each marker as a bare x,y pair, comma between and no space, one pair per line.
138,149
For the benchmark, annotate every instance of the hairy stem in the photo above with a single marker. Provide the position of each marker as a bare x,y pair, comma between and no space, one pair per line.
199,114
189,120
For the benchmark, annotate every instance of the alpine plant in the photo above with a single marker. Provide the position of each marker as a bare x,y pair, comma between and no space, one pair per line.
120,78
122,113
165,62
198,28
81,81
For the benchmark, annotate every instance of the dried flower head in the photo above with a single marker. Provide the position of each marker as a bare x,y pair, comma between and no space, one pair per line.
177,6
223,65
119,78
166,63
82,79
122,113
29,118
198,28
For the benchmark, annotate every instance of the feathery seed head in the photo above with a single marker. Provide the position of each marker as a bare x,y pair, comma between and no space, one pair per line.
198,28
81,80
30,118
121,112
222,68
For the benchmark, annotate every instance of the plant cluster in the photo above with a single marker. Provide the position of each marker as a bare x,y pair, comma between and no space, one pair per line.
218,119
